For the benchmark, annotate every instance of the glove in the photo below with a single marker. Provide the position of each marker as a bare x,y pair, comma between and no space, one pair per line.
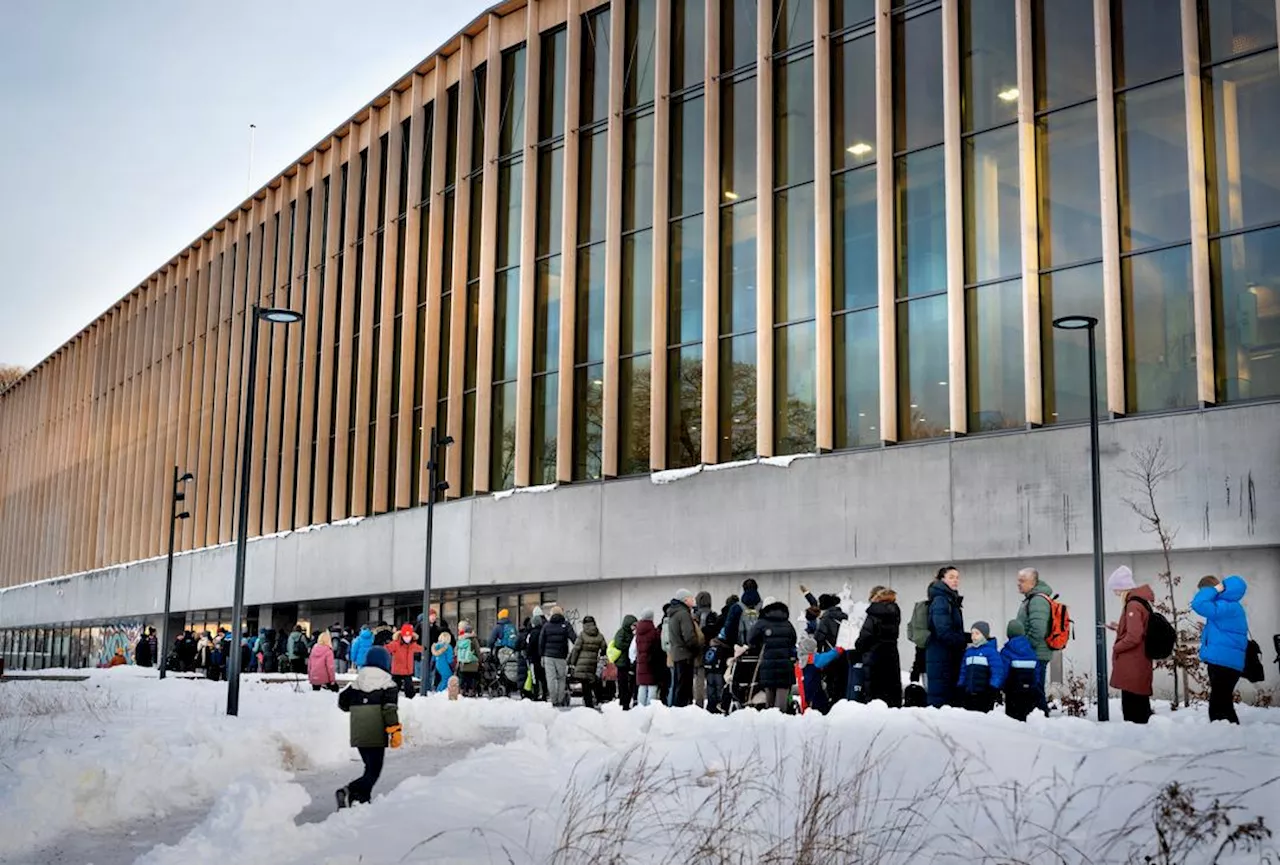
395,736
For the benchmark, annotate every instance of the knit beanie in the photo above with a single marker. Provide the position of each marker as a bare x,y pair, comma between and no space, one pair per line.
1015,629
646,615
378,657
982,628
808,645
1121,580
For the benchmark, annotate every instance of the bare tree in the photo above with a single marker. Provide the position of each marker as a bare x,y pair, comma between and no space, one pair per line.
9,373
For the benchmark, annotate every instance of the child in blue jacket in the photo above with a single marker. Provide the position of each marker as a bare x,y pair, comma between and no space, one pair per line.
809,667
1223,641
1021,684
982,671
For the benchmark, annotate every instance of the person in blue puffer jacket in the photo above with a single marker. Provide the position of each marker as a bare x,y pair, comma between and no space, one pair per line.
360,647
1223,641
982,671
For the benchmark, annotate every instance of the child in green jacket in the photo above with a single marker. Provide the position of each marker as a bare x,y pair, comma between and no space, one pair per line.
375,722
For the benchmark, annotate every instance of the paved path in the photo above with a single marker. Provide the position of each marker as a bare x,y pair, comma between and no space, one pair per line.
123,844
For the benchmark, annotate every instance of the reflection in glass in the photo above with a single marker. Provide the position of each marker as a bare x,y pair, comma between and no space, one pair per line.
1246,314
506,324
637,173
588,402
511,104
1243,98
793,121
1232,27
595,67
1148,41
684,314
793,23
684,406
846,13
545,407
1159,330
550,200
593,175
1064,354
469,443
853,103
794,239
917,81
737,398
989,64
923,392
474,226
992,206
473,332
857,379
546,316
993,319
637,292
738,141
688,43
1151,152
921,223
510,186
638,57
1063,52
635,392
1067,165
589,306
502,445
854,276
738,268
737,34
551,94
795,409
688,132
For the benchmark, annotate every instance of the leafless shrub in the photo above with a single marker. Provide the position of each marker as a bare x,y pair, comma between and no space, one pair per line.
24,706
1187,830
1077,694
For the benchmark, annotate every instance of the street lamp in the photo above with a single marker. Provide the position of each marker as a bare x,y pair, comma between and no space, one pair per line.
271,316
433,486
1090,324
174,516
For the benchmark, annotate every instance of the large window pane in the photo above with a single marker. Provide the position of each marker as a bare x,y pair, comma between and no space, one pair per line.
738,140
550,201
1159,330
990,66
588,390
688,132
589,307
510,187
846,13
917,81
737,33
639,56
1246,314
857,379
593,161
551,113
1148,41
923,394
502,446
854,221
545,413
853,102
793,121
795,410
1064,354
992,206
595,67
1232,27
1063,52
921,223
738,268
546,316
633,410
469,443
994,340
1243,98
637,292
511,127
794,277
737,398
1067,163
688,43
473,335
637,173
506,324
793,23
1151,138
684,406
684,313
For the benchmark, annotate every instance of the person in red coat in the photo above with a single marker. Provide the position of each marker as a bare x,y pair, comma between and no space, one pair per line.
403,649
1131,669
646,657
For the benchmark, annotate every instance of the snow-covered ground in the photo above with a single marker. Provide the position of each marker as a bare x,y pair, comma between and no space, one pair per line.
526,783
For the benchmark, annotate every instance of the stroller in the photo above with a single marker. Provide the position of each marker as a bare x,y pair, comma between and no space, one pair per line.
742,691
499,673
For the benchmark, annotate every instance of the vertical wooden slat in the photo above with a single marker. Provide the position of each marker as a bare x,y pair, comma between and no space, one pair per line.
528,228
488,260
342,411
764,229
1113,315
569,241
387,237
207,357
127,489
364,372
661,237
312,304
403,495
461,236
957,382
221,349
711,241
613,247
294,334
1201,290
885,239
277,336
1029,206
822,189
240,230
156,477
326,411
263,295
435,275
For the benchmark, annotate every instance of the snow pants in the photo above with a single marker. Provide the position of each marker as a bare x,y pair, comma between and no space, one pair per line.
361,789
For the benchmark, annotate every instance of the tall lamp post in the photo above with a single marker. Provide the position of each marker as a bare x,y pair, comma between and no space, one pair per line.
1090,324
174,516
271,316
433,486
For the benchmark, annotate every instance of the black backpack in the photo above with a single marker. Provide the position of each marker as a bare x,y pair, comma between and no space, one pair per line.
1160,634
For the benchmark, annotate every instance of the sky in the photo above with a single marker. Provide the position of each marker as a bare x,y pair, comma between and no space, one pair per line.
126,129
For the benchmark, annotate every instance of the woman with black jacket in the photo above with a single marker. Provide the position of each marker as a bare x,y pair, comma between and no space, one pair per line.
775,638
948,638
877,647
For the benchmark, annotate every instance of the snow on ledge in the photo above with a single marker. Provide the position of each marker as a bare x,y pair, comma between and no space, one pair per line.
673,475
541,488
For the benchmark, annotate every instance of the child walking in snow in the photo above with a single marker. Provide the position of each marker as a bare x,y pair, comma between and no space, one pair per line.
442,657
982,670
1021,684
375,722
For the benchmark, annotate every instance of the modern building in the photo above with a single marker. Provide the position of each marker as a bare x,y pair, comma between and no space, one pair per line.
636,257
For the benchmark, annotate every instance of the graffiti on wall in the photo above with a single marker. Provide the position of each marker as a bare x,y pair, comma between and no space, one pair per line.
119,635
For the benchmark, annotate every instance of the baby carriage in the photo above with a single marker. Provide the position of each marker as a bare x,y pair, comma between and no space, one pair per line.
742,690
499,674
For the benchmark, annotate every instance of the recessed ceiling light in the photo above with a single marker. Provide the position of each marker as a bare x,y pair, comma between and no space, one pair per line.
1008,95
859,148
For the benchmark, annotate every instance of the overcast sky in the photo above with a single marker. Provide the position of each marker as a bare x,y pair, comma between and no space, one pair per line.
126,129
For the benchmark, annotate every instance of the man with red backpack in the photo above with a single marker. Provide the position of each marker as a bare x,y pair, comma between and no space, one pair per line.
1045,627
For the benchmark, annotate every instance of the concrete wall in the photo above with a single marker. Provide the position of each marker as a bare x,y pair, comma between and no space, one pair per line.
988,503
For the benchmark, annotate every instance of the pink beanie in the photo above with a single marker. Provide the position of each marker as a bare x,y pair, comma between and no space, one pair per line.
1121,580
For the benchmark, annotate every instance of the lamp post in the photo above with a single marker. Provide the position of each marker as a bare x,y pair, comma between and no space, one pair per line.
174,516
433,486
1090,324
271,316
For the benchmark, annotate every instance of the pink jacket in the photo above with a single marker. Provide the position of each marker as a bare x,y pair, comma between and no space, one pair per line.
320,666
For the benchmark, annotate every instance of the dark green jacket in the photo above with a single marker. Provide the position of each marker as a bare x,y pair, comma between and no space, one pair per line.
586,653
371,700
622,639
1033,615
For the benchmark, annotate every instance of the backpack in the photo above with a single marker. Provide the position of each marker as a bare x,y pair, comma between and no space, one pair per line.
1160,635
508,639
665,639
918,626
1058,633
466,651
304,649
746,623
711,658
